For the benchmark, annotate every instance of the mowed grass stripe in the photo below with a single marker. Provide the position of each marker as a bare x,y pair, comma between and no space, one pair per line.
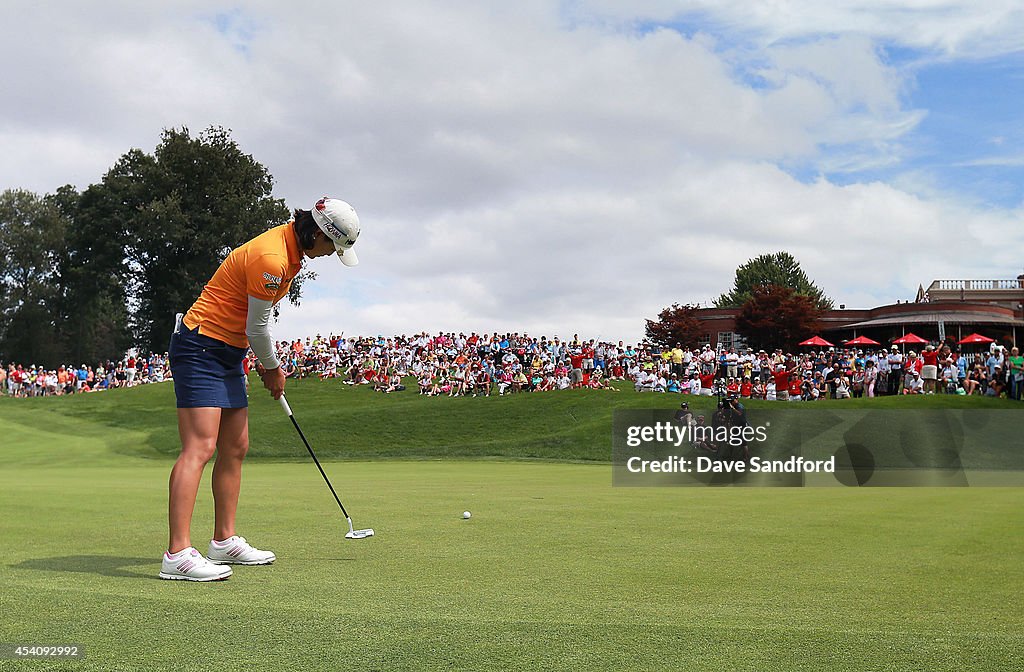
556,570
346,422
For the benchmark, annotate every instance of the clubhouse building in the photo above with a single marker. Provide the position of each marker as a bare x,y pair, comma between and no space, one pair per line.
946,311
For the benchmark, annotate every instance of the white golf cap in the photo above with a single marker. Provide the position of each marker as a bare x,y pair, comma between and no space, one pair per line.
339,222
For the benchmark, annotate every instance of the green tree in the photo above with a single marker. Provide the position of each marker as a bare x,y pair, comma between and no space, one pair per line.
31,238
183,209
676,325
777,317
86,274
780,269
93,269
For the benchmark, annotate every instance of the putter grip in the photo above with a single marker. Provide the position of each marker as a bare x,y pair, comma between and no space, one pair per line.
285,406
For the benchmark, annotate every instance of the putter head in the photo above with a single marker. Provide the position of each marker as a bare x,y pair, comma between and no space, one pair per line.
359,534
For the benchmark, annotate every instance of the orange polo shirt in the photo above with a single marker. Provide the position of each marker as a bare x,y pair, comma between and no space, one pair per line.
264,268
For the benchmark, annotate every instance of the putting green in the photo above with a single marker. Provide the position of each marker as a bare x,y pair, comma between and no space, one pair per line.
555,570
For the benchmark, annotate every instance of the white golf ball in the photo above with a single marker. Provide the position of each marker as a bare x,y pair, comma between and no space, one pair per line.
466,514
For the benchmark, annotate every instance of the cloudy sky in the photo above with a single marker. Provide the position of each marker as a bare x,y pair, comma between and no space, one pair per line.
560,167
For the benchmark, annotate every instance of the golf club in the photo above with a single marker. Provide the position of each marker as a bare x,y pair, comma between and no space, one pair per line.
352,534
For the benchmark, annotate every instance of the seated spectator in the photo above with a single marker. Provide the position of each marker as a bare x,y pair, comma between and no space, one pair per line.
644,381
996,384
482,382
948,379
757,389
914,385
598,382
976,380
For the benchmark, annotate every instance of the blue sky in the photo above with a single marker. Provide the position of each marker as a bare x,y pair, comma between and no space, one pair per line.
969,140
972,139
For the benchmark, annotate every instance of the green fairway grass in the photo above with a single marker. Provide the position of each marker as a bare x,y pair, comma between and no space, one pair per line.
348,422
556,570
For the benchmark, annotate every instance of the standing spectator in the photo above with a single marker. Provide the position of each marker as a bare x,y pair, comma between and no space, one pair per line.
929,368
676,355
1016,364
830,373
588,357
882,372
842,389
857,380
994,361
895,370
871,374
732,360
707,383
17,381
576,362
781,380
795,387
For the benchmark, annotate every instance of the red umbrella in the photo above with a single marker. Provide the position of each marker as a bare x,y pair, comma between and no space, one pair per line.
862,340
975,339
817,341
911,339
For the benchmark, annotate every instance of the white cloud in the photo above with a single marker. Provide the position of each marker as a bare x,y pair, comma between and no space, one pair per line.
953,27
517,168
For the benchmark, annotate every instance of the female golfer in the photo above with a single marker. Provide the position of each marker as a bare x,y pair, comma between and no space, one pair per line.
206,352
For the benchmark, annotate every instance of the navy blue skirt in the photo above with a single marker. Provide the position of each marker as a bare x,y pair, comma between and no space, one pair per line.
207,372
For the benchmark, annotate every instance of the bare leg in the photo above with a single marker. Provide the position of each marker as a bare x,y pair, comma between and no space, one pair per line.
232,445
198,429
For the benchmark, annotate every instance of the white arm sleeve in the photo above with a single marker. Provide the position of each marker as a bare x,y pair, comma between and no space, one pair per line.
257,328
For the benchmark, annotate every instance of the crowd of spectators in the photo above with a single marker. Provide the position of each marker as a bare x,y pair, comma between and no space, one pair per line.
838,373
17,380
461,365
452,364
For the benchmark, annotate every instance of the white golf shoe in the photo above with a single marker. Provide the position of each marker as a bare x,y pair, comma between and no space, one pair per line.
189,565
237,551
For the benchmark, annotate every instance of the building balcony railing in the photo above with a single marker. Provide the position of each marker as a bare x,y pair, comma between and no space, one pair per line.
976,285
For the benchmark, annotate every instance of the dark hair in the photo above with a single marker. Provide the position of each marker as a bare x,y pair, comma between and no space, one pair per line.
305,228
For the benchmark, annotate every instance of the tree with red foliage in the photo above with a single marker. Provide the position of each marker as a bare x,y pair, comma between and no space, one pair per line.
676,325
777,317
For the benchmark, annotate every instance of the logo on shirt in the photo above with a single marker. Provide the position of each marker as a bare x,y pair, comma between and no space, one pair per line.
273,281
